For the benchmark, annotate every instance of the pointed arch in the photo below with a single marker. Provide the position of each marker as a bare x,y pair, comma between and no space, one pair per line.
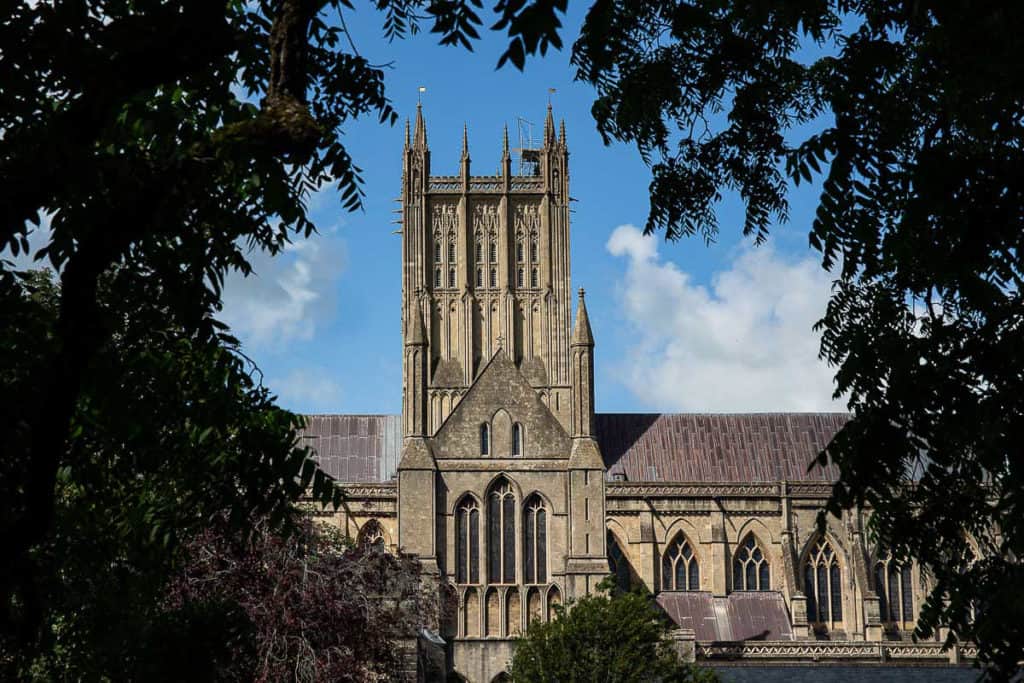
493,613
554,600
513,612
680,567
471,614
534,605
501,432
501,531
751,570
760,530
535,540
895,588
823,584
518,440
371,534
618,563
467,540
485,440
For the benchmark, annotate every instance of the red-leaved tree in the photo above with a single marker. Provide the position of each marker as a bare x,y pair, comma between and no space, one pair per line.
309,606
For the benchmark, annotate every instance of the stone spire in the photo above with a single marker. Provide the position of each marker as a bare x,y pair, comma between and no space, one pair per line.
420,135
561,133
582,335
549,127
465,141
504,142
407,132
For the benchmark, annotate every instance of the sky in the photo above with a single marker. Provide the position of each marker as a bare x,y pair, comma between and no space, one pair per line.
679,326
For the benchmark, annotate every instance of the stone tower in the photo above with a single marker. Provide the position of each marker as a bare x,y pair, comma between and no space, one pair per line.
485,265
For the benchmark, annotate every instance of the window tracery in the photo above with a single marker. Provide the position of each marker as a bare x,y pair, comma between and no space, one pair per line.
823,585
501,533
679,568
895,589
371,534
750,570
535,565
467,541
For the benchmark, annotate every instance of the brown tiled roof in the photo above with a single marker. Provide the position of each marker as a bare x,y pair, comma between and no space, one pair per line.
739,616
754,447
355,448
748,447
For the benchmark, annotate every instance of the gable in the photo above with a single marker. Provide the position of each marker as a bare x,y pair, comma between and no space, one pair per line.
500,398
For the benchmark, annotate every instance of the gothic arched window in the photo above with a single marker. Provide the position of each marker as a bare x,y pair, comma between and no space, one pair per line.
517,440
493,251
535,541
501,533
451,249
619,565
679,568
494,278
437,277
485,439
533,251
467,541
371,534
533,278
519,251
895,590
519,277
823,585
750,571
451,277
437,249
479,250
479,277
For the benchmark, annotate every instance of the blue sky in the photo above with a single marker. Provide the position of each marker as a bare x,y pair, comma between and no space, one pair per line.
679,326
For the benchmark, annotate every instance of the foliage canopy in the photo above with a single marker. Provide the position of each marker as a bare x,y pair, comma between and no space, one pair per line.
603,638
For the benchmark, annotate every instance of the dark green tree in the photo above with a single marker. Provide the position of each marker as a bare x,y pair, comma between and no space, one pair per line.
129,413
910,116
603,638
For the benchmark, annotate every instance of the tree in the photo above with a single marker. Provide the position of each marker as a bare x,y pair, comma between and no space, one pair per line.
309,606
129,413
606,638
910,116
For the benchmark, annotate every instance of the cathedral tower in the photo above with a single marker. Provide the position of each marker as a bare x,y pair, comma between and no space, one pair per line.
485,266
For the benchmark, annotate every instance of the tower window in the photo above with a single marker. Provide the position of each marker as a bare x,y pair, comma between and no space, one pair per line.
494,278
485,439
823,586
519,251
451,250
533,251
479,277
493,252
451,277
437,277
750,570
533,278
535,557
519,277
437,251
517,440
467,541
679,568
479,252
501,533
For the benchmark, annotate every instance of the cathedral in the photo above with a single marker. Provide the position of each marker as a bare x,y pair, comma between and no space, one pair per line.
509,488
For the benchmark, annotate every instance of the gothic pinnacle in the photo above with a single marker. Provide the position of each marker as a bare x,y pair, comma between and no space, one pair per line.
420,134
561,132
465,141
504,142
406,131
549,126
582,335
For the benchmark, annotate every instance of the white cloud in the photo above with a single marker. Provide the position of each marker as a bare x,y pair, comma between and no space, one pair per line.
307,390
288,295
744,344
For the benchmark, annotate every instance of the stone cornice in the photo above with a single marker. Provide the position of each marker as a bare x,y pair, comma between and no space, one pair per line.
689,490
822,651
379,491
